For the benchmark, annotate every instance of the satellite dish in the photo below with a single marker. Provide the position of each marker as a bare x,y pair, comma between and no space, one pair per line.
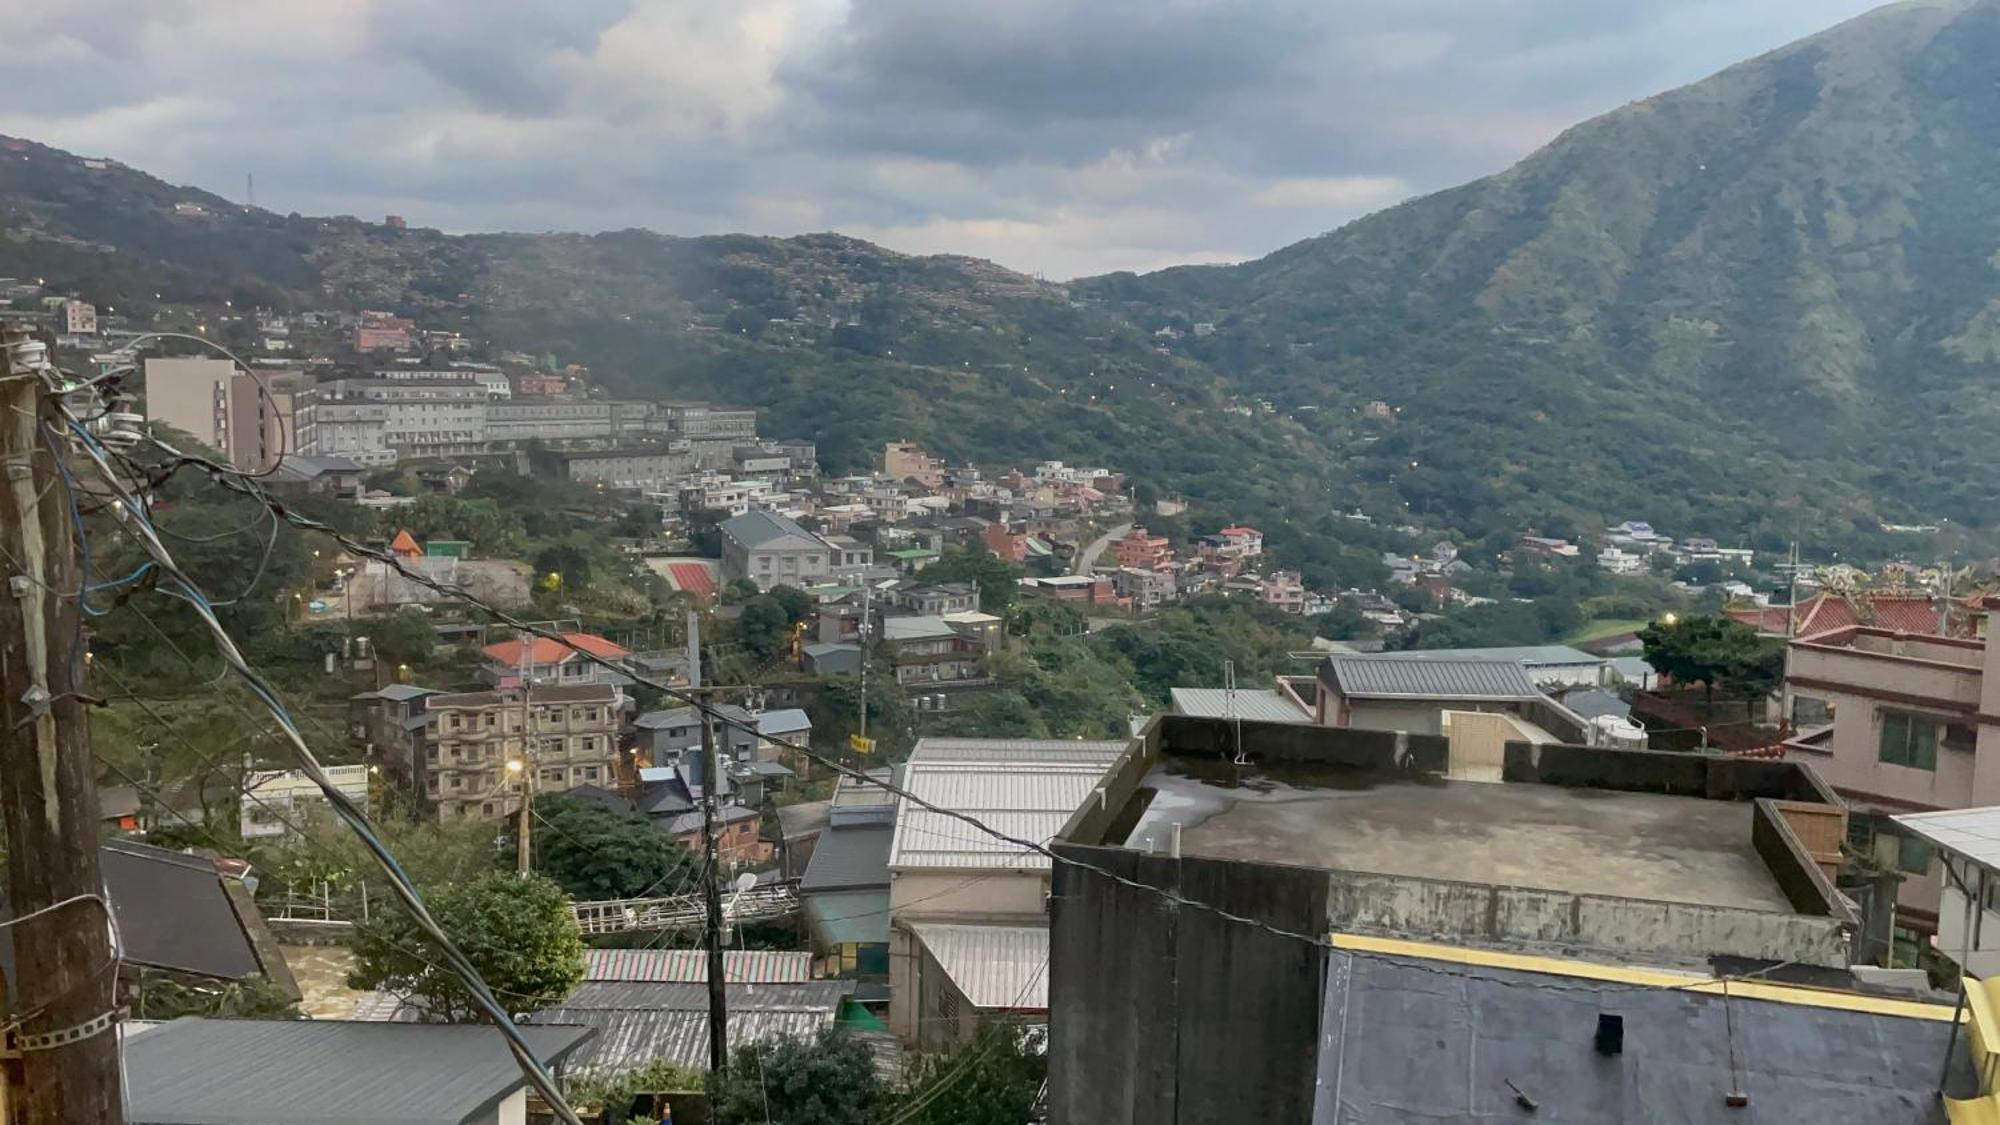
745,882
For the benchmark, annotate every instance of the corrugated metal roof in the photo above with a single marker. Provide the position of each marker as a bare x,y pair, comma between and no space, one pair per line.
928,839
752,966
1258,705
1540,655
760,529
995,967
326,1072
1016,750
1024,787
915,627
660,995
628,1039
1379,677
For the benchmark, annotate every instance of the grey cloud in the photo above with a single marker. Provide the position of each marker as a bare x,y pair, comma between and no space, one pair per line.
501,54
1064,135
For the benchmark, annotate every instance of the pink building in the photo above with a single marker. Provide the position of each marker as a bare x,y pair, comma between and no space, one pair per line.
1284,591
1897,723
1140,551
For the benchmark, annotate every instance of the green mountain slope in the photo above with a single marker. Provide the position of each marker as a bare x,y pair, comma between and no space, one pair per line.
1761,306
1766,301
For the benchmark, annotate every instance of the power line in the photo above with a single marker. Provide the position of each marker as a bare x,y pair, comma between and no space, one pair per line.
228,477
131,513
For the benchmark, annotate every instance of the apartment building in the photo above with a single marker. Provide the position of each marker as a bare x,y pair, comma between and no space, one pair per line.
699,420
648,468
570,734
906,460
1897,723
191,395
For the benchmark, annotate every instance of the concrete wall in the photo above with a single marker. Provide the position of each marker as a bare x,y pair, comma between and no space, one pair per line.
1795,866
1164,1016
1450,911
1661,771
1479,741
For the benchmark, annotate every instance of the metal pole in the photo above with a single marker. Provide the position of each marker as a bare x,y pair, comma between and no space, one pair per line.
523,855
718,1004
1975,920
866,590
65,972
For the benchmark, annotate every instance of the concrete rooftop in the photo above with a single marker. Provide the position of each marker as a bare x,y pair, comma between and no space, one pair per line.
1577,840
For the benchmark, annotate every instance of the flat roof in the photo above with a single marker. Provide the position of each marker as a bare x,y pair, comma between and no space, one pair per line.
1546,837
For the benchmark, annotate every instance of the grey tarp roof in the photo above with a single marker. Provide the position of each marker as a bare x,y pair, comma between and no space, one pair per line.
850,857
326,1072
1407,1040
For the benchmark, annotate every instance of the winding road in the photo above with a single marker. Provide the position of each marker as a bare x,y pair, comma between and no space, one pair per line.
1084,564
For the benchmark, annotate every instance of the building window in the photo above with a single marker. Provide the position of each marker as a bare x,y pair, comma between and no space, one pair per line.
1861,833
1913,854
1810,712
590,773
1909,740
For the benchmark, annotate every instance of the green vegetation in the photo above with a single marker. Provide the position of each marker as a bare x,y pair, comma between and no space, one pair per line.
518,932
595,852
160,997
990,1079
1715,652
826,1079
1598,629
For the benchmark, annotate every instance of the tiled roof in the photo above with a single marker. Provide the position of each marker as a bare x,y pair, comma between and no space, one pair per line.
1543,655
1379,677
1825,612
548,651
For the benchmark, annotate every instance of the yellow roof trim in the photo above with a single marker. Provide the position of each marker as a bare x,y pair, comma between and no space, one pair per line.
1646,978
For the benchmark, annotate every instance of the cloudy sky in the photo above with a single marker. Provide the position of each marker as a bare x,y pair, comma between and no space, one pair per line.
1060,136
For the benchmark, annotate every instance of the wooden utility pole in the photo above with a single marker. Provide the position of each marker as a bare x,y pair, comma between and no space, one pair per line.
711,889
65,978
524,858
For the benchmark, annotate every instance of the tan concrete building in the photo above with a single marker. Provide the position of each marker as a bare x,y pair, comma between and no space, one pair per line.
192,395
968,912
1897,723
470,737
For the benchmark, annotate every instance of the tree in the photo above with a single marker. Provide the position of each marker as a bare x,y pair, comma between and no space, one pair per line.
991,1079
253,998
761,627
797,604
1343,622
827,1078
1714,651
595,852
999,581
517,932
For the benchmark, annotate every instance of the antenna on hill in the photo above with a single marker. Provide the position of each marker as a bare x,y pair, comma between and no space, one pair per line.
250,188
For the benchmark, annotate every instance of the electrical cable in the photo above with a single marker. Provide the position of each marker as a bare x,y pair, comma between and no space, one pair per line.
131,513
227,477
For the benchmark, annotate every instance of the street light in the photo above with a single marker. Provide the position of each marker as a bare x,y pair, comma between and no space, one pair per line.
513,765
1670,619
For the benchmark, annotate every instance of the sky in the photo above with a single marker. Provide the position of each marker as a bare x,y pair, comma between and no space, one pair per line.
1060,137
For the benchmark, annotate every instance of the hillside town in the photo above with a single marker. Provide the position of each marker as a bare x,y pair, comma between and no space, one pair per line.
715,663
1122,598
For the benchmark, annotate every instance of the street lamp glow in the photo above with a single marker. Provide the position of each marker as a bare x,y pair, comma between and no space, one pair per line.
1670,619
513,765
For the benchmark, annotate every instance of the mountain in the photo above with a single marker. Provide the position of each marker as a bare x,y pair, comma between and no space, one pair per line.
1766,302
1762,306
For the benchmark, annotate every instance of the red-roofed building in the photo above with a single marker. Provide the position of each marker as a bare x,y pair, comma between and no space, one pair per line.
1896,611
552,662
405,546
